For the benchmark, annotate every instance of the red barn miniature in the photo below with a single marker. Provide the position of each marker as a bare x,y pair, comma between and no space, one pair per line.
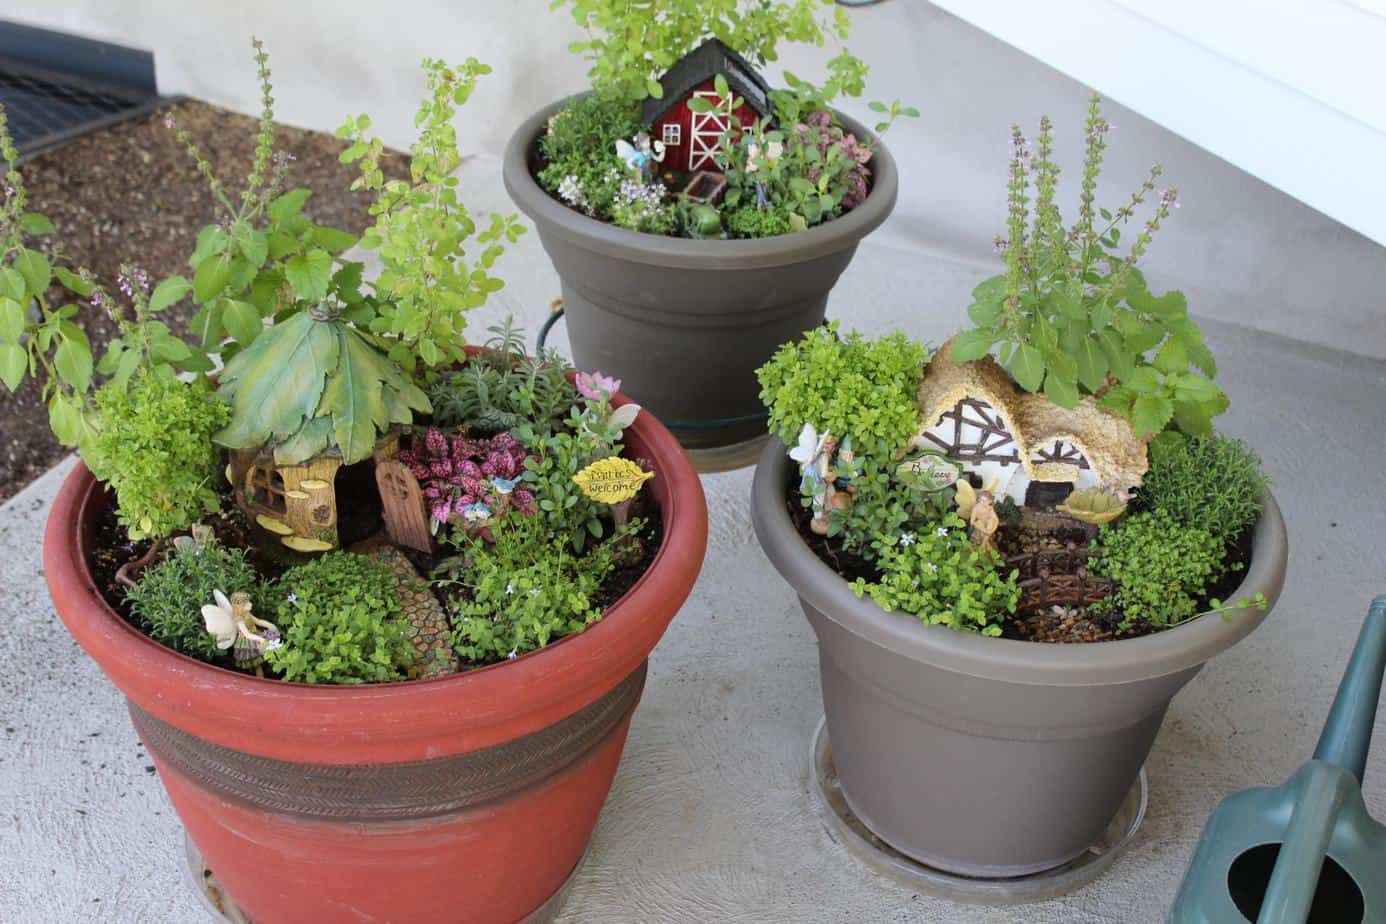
691,138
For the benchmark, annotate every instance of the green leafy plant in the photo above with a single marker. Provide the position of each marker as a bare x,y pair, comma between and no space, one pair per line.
263,258
581,165
340,619
154,449
846,386
887,503
428,282
524,589
751,222
630,44
944,579
1213,483
1072,316
504,388
168,599
1161,567
311,382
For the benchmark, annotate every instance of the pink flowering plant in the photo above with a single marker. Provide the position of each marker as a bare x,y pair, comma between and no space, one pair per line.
1072,314
468,482
799,168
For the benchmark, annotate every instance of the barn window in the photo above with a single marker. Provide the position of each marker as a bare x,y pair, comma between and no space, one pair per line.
267,488
673,133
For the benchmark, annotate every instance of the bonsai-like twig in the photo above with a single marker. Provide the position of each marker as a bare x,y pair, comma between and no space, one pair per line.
125,575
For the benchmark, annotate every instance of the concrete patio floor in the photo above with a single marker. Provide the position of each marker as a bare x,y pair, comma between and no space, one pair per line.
710,818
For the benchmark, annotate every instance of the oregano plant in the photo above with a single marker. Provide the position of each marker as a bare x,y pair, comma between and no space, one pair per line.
429,281
1072,315
630,44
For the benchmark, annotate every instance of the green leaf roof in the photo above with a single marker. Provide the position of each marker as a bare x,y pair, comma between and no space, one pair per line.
310,384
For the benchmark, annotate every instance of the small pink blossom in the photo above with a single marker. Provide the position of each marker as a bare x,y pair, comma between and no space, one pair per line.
595,386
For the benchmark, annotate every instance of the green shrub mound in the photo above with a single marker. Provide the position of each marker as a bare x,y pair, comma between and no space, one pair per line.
846,386
167,602
525,589
941,577
1161,567
340,620
154,449
1213,483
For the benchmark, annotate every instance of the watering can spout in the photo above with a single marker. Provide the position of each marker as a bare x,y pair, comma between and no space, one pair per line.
1347,735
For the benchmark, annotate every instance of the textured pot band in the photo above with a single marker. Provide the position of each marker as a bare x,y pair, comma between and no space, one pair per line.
389,792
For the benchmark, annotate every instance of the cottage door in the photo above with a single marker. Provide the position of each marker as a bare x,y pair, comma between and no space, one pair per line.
406,521
706,130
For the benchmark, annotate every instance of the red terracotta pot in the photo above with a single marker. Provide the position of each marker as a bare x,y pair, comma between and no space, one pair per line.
467,798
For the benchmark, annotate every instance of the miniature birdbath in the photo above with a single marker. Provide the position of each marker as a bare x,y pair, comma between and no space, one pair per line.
1306,851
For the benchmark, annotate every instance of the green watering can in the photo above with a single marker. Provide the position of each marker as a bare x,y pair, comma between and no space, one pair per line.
1306,851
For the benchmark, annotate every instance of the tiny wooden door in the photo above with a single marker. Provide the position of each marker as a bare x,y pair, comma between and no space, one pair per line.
406,521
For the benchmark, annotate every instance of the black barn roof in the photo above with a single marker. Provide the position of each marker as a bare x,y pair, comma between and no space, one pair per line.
702,64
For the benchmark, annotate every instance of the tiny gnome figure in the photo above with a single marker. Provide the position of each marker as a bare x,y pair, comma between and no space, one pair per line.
984,521
233,625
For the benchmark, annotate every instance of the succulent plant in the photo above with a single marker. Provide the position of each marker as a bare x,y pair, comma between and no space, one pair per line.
311,383
1093,505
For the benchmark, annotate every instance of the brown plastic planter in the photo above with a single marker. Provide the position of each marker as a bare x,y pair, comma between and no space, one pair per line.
982,756
685,324
470,797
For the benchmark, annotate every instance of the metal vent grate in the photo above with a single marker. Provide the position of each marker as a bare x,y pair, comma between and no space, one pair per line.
44,112
55,87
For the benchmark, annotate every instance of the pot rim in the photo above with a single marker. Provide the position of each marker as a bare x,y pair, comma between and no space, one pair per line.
1012,660
387,722
660,250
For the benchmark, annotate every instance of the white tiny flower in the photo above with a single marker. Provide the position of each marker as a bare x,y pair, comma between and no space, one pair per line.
292,598
941,531
933,568
907,539
513,654
509,588
534,591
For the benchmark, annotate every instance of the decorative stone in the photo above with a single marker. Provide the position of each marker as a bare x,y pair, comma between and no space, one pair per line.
430,631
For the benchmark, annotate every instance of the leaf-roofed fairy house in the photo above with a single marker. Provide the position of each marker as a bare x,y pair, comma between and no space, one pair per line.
976,415
691,139
309,396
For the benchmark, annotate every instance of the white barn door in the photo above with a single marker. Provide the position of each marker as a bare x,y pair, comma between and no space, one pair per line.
706,130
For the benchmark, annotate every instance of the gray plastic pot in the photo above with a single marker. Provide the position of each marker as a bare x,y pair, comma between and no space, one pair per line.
984,756
684,324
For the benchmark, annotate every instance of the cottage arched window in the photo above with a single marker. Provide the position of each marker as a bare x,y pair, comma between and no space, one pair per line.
267,488
973,432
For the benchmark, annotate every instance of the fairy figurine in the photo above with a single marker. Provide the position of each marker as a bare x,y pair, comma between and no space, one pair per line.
641,156
814,455
237,628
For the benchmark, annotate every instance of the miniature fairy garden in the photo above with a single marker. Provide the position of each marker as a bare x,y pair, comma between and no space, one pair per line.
681,136
325,484
1068,488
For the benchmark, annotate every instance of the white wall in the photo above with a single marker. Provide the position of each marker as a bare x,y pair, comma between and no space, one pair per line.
1243,251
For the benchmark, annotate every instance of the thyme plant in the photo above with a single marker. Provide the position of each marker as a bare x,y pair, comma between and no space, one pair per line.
429,281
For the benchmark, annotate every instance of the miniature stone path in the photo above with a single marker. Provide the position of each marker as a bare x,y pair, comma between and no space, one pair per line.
710,818
429,629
